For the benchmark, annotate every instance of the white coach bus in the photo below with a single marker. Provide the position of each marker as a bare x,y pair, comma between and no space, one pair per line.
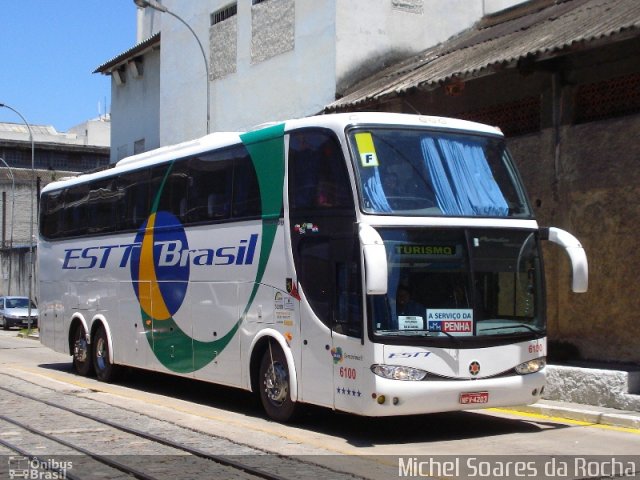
373,263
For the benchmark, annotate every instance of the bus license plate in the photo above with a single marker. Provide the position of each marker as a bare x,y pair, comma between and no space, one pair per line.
474,397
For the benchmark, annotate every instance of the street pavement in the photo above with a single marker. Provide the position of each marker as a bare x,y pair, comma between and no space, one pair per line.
575,412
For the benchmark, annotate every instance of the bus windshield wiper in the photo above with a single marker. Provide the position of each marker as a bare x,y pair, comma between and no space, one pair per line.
396,333
520,325
452,337
415,333
440,331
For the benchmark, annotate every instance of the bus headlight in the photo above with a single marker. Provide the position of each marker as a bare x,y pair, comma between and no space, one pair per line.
397,372
532,366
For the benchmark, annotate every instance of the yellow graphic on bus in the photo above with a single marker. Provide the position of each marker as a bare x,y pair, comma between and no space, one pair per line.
153,305
368,155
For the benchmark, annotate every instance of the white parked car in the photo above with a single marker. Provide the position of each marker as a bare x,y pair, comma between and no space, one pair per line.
14,312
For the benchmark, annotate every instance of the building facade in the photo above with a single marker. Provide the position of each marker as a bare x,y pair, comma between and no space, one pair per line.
84,147
267,60
135,98
55,155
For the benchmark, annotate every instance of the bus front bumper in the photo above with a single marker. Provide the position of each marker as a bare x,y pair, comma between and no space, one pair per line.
396,397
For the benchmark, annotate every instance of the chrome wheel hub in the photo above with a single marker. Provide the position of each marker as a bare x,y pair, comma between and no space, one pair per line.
101,354
80,350
276,383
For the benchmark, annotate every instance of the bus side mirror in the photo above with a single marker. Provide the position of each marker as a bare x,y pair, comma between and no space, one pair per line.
375,260
577,255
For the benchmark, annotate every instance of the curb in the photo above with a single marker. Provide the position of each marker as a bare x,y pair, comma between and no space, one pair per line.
584,413
32,335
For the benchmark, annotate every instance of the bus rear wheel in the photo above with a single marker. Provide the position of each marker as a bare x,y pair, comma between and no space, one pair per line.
105,370
274,385
81,352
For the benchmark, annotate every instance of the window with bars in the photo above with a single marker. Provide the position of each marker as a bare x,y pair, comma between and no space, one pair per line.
14,157
224,13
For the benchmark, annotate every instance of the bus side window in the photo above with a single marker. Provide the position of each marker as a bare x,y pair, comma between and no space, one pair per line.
348,313
319,178
174,190
101,207
246,193
51,214
209,192
134,207
75,211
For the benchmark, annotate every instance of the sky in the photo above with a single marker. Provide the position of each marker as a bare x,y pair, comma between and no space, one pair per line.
48,51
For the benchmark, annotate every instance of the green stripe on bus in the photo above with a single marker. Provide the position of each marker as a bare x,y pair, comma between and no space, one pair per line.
176,350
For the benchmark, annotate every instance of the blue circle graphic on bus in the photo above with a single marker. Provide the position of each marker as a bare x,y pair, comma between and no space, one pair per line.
160,267
160,261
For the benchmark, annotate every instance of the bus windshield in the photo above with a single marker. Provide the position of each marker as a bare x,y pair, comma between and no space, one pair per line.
418,172
460,285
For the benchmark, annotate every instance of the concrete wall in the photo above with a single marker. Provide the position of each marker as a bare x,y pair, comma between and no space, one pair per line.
21,227
15,265
371,34
135,107
596,196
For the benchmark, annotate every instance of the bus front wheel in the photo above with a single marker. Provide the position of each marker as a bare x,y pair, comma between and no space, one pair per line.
81,352
105,370
274,385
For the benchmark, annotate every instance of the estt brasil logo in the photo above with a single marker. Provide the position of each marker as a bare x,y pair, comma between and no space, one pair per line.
161,289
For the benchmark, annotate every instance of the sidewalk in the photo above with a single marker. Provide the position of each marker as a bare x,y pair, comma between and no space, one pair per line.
583,413
595,393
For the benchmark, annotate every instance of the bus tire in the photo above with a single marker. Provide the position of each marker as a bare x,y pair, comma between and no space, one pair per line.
81,352
105,370
274,385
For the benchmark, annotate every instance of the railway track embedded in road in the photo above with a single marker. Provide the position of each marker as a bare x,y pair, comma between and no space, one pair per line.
97,436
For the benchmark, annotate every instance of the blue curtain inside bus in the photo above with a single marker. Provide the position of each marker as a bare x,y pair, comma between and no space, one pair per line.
462,179
374,192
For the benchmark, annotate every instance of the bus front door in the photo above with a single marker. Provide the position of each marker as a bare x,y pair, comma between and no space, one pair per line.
321,217
316,376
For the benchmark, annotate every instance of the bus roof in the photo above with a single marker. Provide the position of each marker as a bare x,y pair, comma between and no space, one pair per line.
336,122
340,121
